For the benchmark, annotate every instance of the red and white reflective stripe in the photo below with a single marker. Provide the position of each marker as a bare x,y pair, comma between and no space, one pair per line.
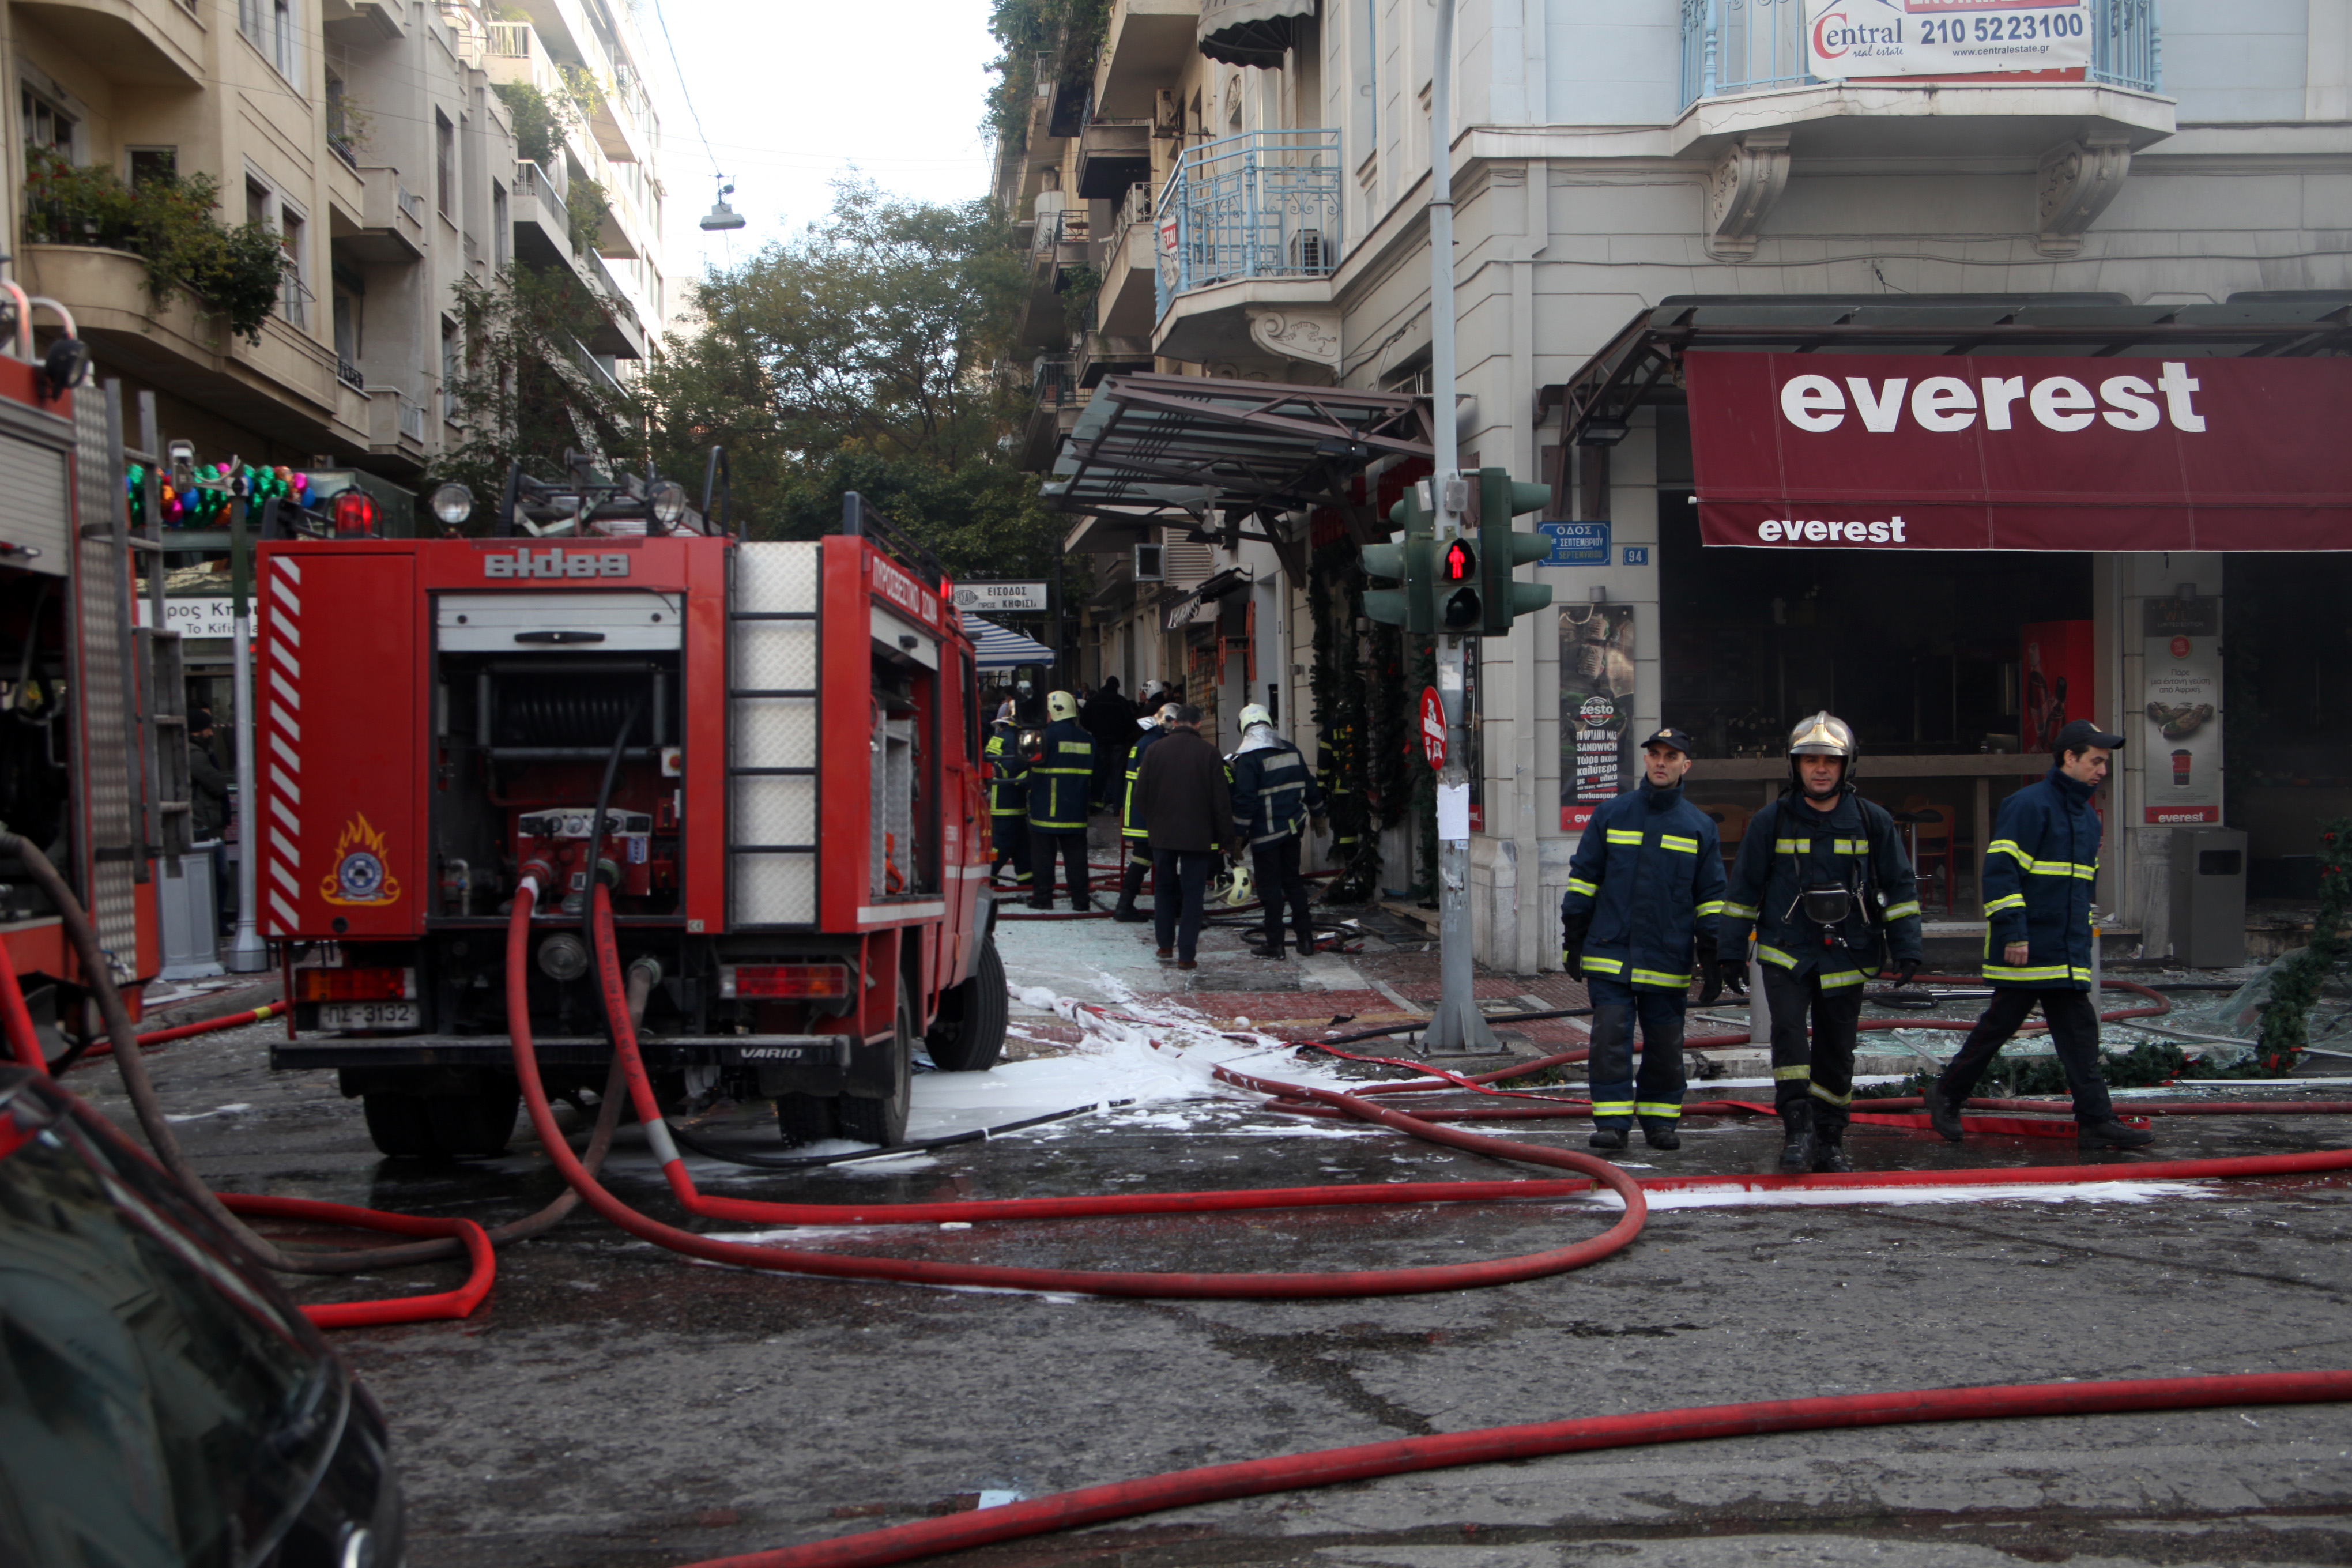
282,685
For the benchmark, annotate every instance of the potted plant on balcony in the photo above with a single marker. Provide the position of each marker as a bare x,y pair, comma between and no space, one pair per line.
165,220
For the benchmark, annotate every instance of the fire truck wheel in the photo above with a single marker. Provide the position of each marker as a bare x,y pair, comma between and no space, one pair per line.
804,1118
398,1125
475,1125
970,1027
884,1120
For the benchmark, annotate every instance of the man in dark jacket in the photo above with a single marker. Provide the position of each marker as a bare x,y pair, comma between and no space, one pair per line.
1061,773
1110,718
208,784
1814,869
1134,835
1182,791
1643,893
2037,935
1275,798
1008,801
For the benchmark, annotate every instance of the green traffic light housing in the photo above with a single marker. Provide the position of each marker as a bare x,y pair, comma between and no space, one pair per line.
1412,606
1500,500
1458,580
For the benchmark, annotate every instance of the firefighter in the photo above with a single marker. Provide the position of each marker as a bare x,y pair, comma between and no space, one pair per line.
1334,754
2037,890
1644,893
1132,831
1823,882
1008,802
1061,769
1274,799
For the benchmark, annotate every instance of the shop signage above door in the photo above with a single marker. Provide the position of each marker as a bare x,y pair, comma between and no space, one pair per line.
1985,452
206,618
1000,598
1576,543
1945,38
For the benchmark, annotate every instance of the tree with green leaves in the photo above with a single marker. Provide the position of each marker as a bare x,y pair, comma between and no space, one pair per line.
862,353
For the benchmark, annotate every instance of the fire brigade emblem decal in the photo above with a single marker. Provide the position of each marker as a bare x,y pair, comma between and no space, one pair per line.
360,877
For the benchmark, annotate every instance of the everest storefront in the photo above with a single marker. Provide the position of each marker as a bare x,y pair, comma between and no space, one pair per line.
1960,523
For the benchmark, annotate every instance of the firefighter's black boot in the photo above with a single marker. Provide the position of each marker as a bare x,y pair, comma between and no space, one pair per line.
1130,885
1797,1138
1829,1154
1607,1138
1944,1114
2111,1134
1661,1133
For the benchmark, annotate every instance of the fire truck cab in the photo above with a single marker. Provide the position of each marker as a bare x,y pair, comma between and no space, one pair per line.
770,751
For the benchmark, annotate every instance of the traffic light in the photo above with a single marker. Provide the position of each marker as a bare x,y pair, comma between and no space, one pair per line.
1499,501
1460,589
1409,606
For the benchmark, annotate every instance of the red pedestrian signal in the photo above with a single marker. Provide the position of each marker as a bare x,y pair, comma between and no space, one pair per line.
1461,565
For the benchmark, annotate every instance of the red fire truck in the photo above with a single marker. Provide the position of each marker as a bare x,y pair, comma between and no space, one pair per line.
772,750
86,697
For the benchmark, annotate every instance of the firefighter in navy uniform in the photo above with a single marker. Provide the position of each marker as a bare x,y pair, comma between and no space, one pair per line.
2038,876
1823,882
1061,776
1134,834
1008,801
1274,799
1644,893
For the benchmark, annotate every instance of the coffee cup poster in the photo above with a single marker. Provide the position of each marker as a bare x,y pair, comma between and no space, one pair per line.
1596,708
2180,722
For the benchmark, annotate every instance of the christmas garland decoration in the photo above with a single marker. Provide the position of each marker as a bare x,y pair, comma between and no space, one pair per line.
1335,598
2297,979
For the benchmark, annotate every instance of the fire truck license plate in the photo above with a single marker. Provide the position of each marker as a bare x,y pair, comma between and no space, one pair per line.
371,1015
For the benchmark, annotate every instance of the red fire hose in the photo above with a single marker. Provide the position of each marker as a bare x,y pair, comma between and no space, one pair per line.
1494,1444
262,1014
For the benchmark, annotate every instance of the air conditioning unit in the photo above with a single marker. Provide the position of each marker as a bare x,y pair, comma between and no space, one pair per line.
1310,254
1150,563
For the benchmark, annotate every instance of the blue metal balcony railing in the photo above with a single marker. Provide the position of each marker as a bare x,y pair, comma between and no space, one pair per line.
1264,204
1754,46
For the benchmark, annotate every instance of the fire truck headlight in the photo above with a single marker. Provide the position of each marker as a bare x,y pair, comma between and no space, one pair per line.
453,503
668,499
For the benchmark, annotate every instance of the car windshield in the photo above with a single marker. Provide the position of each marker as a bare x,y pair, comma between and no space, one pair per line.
155,1405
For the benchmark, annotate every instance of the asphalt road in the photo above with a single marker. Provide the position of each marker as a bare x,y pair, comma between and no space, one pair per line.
613,1404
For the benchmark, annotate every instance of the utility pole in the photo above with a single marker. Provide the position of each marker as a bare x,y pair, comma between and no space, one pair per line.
247,954
1458,1027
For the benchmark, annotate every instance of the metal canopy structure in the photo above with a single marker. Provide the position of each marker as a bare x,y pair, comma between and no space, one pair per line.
1251,32
1643,365
1001,647
1174,447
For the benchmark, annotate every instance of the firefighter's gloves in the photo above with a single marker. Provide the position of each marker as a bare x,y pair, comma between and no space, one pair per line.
1905,968
1710,984
1730,974
1572,929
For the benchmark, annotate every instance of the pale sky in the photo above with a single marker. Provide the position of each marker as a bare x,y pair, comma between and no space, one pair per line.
794,93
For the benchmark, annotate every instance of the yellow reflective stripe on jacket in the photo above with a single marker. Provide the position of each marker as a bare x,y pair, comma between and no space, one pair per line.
1624,836
1579,885
1605,965
1742,912
2083,974
2009,847
1839,979
1715,908
1654,977
2014,901
2033,972
1771,954
1801,1073
1792,846
1903,910
1657,1107
1080,773
1673,841
1840,1100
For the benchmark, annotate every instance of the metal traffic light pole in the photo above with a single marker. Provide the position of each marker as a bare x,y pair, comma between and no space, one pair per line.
1458,1027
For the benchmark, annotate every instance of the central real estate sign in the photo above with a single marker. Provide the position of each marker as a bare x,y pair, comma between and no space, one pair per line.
1993,452
1849,39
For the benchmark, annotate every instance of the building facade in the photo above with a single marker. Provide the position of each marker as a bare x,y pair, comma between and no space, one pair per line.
370,136
1238,188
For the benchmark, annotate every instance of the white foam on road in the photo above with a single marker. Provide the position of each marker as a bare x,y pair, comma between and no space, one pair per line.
1738,1196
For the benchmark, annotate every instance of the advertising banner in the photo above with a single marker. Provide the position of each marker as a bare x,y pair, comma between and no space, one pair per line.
1945,38
1596,708
1995,452
2182,727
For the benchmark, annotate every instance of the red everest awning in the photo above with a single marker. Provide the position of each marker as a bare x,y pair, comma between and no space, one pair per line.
1992,452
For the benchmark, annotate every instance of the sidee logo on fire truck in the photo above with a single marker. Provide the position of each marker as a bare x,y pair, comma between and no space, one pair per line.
556,562
360,875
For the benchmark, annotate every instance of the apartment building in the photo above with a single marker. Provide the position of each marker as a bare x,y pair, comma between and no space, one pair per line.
370,136
1237,189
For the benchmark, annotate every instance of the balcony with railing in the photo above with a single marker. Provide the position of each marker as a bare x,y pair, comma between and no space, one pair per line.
543,222
1736,49
1128,302
1260,207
